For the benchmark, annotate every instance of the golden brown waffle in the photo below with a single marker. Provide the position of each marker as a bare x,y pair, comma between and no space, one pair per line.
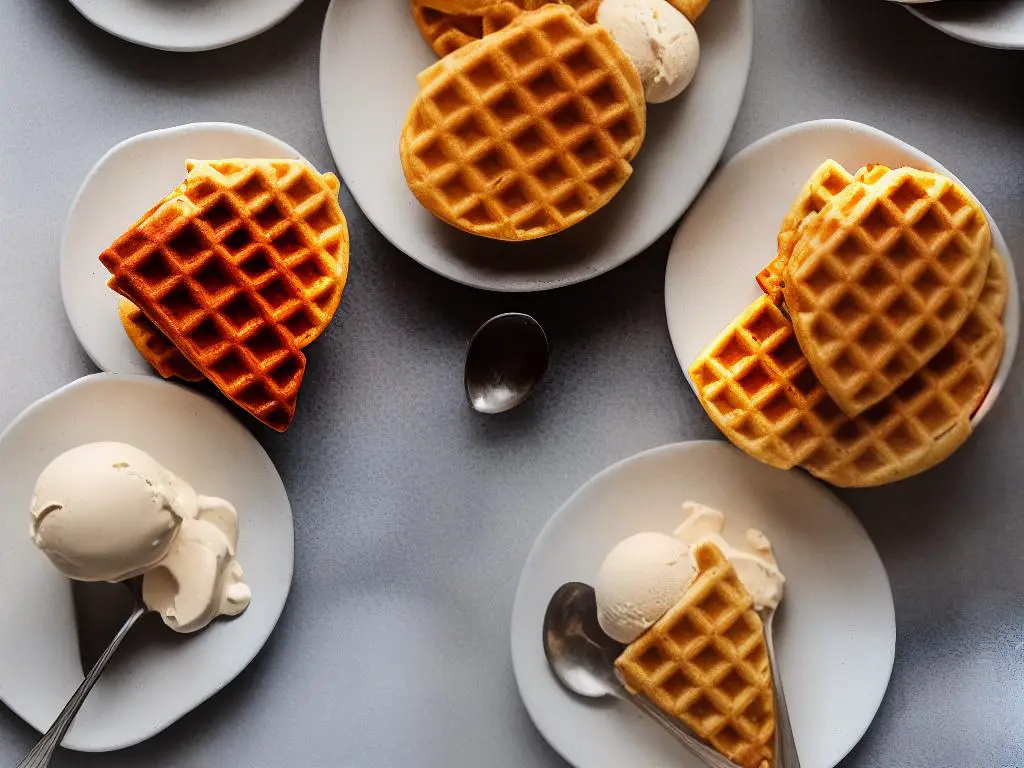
318,298
223,270
156,348
706,663
447,32
828,180
757,386
882,278
528,131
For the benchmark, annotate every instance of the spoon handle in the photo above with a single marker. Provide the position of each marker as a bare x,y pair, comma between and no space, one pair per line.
43,751
786,754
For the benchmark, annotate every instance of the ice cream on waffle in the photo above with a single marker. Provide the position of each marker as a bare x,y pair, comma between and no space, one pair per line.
238,268
527,131
897,252
686,605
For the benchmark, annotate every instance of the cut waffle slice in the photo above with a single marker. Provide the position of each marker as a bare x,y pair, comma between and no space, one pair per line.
882,278
153,345
705,663
528,131
446,32
222,269
320,293
828,180
757,387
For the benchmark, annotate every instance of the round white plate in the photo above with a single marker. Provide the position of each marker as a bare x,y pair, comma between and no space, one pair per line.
991,23
153,684
122,186
370,55
836,629
185,25
712,263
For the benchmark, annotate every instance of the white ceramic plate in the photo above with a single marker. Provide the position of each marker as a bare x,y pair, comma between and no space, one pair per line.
991,23
185,25
122,186
153,684
835,633
370,56
712,263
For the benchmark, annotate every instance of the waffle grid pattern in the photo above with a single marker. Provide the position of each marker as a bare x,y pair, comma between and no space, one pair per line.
706,663
758,387
828,180
882,279
527,132
221,271
319,299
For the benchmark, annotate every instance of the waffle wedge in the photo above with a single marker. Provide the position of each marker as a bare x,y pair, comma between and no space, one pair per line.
527,131
706,663
828,179
225,267
308,321
882,279
757,386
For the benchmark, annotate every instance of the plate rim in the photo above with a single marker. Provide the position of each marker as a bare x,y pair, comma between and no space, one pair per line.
73,210
684,445
101,378
1014,45
533,285
146,42
1012,312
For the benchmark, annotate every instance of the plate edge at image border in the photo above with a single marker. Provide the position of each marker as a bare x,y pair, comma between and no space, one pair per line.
192,48
545,532
1011,317
100,379
533,285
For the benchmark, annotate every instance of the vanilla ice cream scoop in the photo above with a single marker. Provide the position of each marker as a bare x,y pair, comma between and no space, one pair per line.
659,40
640,579
108,512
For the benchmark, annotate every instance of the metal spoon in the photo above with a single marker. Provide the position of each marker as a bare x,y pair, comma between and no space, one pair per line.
44,750
785,744
582,657
507,358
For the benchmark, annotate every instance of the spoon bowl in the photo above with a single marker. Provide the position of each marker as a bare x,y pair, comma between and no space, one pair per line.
506,360
578,651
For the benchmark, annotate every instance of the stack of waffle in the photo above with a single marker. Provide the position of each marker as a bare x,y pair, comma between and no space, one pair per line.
877,338
231,275
529,122
706,663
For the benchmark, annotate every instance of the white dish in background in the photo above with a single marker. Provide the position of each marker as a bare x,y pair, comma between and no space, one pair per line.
154,684
713,261
990,23
123,185
193,25
366,90
835,632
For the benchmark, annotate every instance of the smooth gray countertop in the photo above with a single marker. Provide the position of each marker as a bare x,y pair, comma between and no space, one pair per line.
413,515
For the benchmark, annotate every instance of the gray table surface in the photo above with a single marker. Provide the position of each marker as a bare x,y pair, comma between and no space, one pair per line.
413,515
